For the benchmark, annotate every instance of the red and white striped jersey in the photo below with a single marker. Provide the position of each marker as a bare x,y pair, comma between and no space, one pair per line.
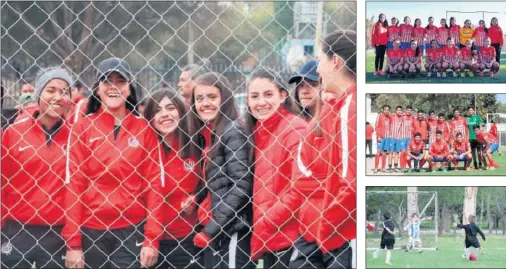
406,32
432,126
394,32
460,148
383,126
479,36
431,33
397,127
407,126
446,129
459,125
442,35
419,34
455,33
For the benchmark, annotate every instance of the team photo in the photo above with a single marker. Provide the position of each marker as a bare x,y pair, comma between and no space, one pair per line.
426,42
421,134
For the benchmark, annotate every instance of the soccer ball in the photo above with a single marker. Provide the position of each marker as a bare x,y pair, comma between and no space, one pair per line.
473,257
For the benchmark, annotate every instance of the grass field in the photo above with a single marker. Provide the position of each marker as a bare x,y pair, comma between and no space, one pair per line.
499,77
449,254
501,160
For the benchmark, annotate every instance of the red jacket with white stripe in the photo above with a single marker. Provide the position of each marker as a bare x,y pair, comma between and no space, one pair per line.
77,110
113,183
33,174
275,226
338,219
181,180
309,175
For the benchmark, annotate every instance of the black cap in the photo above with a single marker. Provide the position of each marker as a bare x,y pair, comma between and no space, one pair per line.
114,65
307,71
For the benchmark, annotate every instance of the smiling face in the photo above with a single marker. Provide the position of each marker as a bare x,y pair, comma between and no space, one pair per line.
113,91
434,44
55,99
207,102
166,119
264,98
443,22
418,22
382,17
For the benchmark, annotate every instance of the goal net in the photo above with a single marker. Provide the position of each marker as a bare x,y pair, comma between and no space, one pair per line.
402,205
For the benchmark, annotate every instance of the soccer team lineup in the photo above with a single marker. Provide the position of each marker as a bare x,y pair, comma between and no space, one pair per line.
409,141
448,47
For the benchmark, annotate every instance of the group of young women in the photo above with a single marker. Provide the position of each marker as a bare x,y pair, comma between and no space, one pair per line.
183,186
448,47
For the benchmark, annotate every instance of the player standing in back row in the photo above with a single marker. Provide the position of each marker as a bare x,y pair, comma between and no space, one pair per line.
383,138
397,136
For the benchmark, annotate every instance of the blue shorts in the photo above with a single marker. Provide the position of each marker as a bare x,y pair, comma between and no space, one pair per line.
385,144
438,160
399,145
379,145
461,159
416,154
442,46
406,145
390,45
458,45
494,147
405,45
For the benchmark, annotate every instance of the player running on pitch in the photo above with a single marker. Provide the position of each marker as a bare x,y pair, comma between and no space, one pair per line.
471,239
387,238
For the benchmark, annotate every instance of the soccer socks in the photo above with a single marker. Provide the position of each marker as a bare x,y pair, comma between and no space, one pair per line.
376,160
466,253
455,162
415,164
403,160
389,255
384,161
422,163
376,253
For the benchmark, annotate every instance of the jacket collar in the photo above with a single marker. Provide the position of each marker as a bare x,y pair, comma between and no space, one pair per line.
108,118
269,125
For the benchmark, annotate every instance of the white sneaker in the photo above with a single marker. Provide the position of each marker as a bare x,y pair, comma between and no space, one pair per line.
429,74
438,74
463,75
455,74
444,74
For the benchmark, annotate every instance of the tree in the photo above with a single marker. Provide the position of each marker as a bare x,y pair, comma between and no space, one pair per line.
392,100
412,201
469,203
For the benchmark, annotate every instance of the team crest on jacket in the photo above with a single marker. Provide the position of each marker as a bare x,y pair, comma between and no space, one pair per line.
6,248
133,142
189,165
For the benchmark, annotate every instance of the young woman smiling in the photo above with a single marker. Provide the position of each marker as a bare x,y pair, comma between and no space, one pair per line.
277,130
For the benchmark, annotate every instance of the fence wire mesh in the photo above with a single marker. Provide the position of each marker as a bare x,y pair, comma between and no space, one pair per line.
205,166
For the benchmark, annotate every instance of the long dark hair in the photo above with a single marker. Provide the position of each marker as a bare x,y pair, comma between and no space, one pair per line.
385,23
452,19
428,24
184,132
494,18
417,53
344,44
484,26
94,102
276,79
446,23
417,19
228,109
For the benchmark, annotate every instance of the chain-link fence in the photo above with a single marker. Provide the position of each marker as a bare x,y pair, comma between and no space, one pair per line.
185,139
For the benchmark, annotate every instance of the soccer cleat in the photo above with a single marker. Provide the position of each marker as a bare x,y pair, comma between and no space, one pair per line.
433,170
491,74
463,75
438,74
381,72
444,74
500,153
375,171
455,74
388,263
420,251
429,74
444,169
375,73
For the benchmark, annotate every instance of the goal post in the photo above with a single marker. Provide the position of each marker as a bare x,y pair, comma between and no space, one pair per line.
500,121
401,205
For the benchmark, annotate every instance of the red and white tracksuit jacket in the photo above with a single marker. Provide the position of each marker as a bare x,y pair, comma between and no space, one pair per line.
33,174
275,206
337,214
181,180
113,183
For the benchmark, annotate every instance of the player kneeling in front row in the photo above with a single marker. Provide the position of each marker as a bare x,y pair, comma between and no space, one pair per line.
417,152
487,60
461,152
413,59
439,153
471,239
489,144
